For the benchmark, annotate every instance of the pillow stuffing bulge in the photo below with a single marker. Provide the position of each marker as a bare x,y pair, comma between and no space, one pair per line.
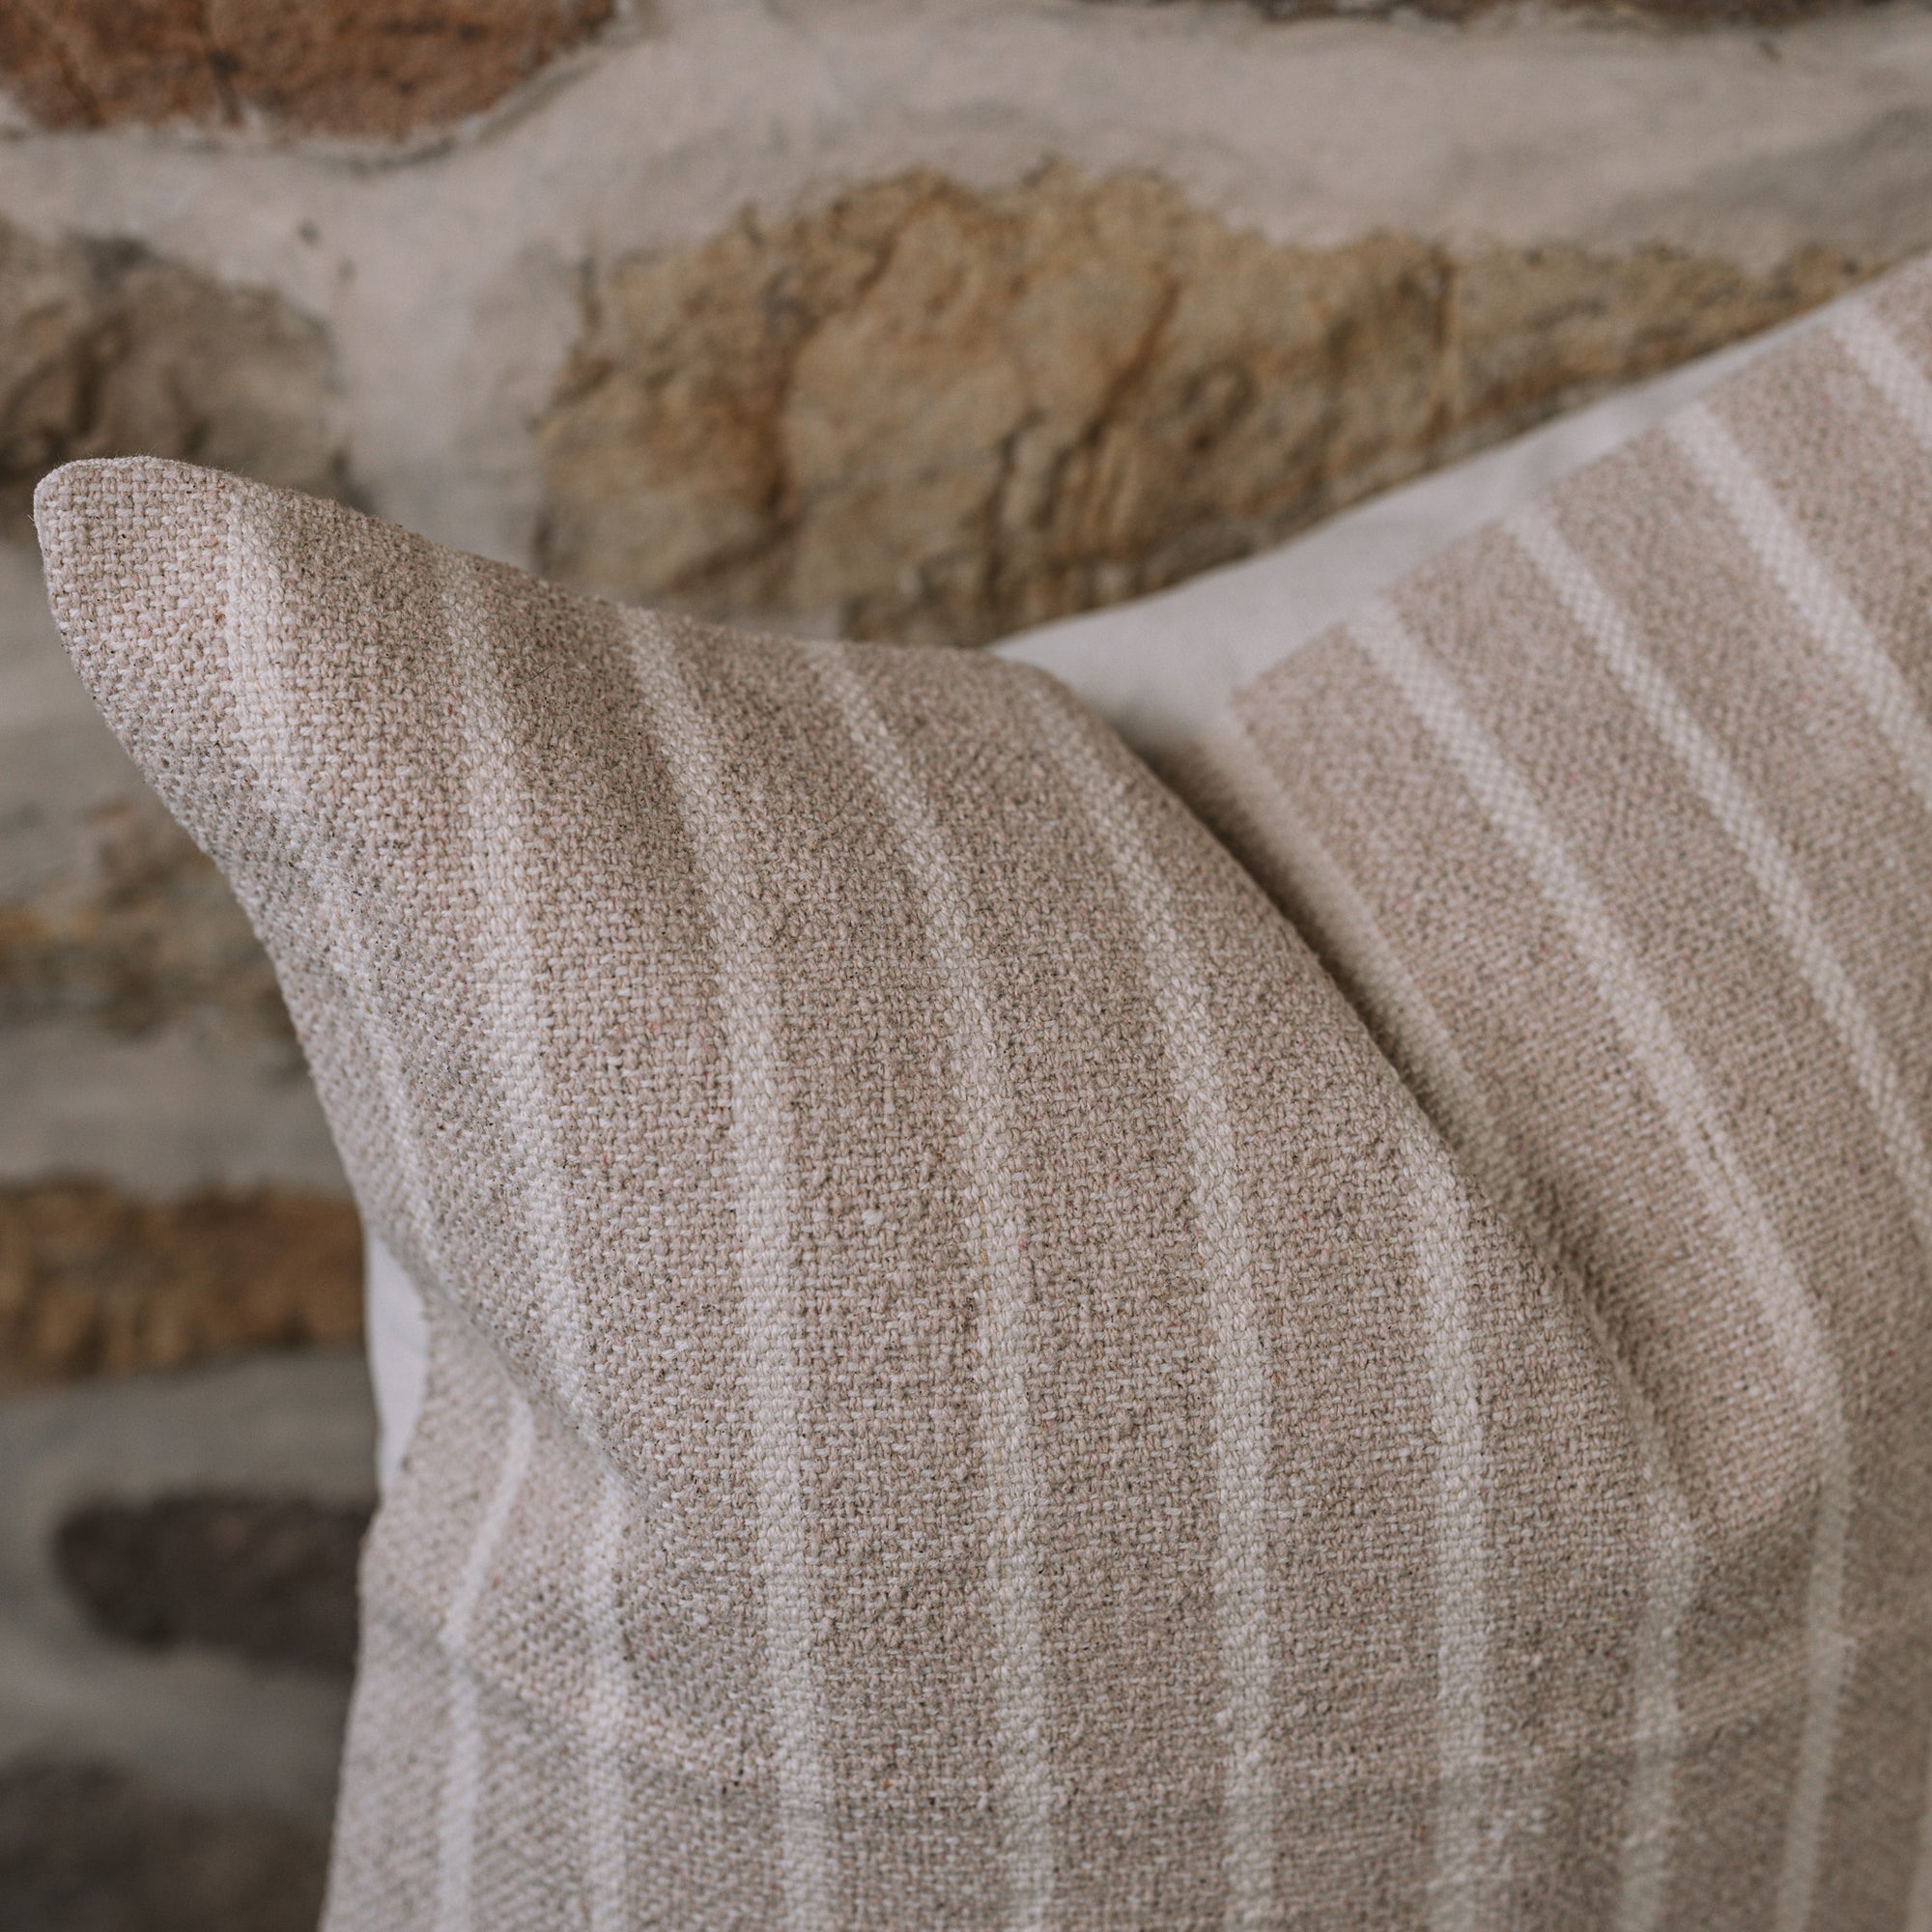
1616,824
963,1389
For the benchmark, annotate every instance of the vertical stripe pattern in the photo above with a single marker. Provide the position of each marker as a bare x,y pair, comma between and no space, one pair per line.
256,636
1886,364
456,1812
1836,622
764,1198
1198,1078
986,1109
1883,359
1772,866
1633,884
1711,1155
1305,876
1459,1893
501,845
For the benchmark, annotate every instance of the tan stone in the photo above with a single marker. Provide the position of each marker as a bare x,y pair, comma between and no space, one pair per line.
151,936
932,414
380,67
1688,10
96,1281
106,350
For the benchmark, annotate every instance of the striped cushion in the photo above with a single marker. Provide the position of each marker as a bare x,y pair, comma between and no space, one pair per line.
1615,823
965,1390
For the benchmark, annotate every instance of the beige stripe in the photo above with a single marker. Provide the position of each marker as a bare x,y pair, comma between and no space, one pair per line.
251,593
760,1130
1772,866
462,1777
1406,1020
1457,1887
1891,369
1241,1395
986,1115
1712,1159
503,856
1887,365
252,590
1833,620
1303,874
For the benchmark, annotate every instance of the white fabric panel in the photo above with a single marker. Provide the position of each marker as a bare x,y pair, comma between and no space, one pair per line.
398,1337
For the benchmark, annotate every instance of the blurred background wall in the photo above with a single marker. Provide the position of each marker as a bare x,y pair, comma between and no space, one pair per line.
919,321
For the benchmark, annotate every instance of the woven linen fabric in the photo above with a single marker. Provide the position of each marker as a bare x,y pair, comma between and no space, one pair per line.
964,1390
1615,822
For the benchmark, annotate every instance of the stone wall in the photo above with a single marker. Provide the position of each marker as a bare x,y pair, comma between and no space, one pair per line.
383,67
921,320
935,415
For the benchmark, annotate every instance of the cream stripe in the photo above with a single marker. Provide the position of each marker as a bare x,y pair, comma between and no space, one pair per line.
462,1777
1457,1887
1198,1077
605,1819
986,1120
760,1132
1774,871
1326,902
1833,620
504,855
252,589
1712,1159
1867,339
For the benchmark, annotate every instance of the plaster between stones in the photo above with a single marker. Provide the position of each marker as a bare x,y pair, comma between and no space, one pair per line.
449,286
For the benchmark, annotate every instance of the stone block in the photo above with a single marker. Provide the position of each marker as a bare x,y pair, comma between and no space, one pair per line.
92,1848
95,1281
106,350
357,68
147,934
929,413
269,1576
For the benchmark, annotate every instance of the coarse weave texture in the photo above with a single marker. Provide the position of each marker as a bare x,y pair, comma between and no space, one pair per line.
964,1389
1616,824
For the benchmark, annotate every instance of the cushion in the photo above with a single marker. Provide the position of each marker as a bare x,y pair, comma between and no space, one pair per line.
1615,822
963,1388
1160,668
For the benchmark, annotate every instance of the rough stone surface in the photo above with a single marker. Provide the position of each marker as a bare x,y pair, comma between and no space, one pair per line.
89,1848
208,1724
273,1577
149,935
1687,11
380,67
932,414
108,351
97,1282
